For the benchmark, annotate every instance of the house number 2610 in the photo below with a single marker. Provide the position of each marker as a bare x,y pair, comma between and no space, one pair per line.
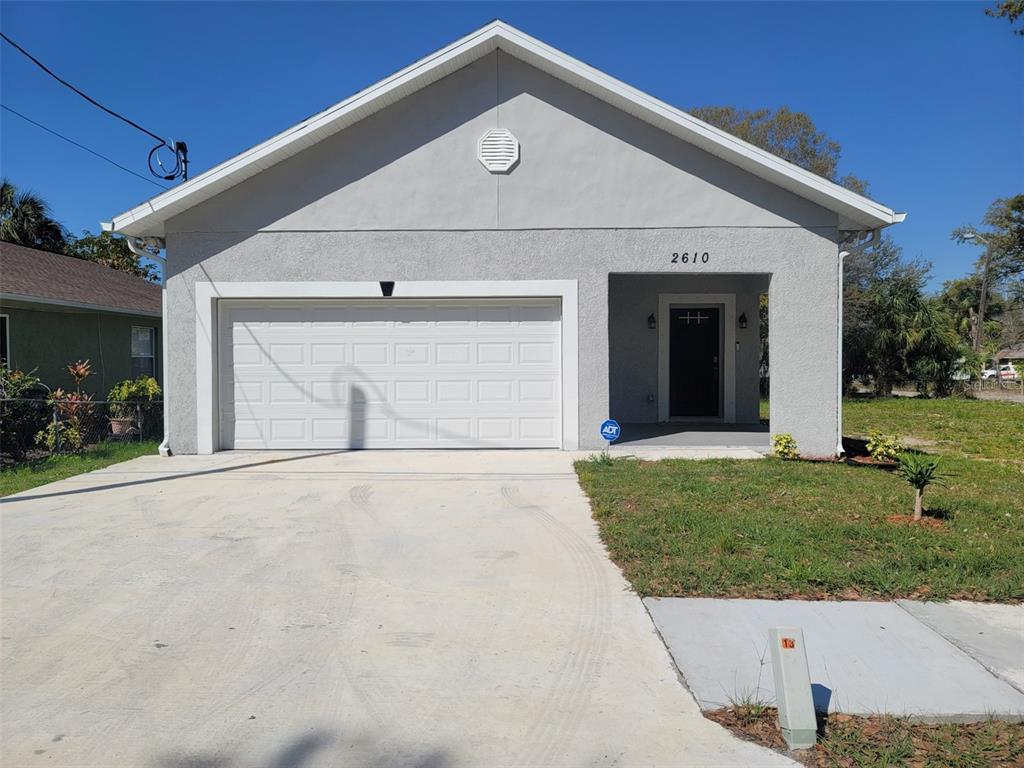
688,258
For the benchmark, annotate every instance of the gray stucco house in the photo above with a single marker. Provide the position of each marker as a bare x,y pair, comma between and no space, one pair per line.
498,246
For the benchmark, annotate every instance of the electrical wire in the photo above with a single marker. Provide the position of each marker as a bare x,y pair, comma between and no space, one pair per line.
179,148
81,146
85,96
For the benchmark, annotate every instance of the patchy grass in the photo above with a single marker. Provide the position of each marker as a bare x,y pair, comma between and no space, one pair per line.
778,529
980,429
886,742
26,476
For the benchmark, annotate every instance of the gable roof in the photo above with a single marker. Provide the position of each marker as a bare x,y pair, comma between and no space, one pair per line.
855,211
28,274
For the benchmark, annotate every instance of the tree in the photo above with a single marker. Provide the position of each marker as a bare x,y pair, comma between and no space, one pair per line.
909,337
872,277
111,251
959,297
1004,252
920,471
25,220
1011,10
793,136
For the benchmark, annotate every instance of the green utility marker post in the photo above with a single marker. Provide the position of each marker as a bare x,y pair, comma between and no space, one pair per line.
793,687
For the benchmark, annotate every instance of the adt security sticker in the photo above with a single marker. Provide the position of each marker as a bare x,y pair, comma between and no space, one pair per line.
610,430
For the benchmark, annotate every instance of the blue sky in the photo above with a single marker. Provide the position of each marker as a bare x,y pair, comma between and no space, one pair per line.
927,99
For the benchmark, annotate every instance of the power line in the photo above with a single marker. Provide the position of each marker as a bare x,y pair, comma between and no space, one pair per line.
81,146
85,96
179,148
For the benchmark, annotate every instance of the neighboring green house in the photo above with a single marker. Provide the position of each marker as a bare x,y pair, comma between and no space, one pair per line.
55,309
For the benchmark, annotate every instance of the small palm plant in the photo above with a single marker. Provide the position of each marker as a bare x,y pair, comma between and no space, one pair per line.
920,471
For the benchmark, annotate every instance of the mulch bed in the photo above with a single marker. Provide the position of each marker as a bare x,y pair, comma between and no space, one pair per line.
849,741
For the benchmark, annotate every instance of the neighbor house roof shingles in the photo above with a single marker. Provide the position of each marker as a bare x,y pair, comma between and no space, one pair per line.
28,273
1012,352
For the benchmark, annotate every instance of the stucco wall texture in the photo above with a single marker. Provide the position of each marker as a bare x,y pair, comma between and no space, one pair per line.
402,196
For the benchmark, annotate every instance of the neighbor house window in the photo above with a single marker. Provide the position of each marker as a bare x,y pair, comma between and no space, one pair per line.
5,342
143,352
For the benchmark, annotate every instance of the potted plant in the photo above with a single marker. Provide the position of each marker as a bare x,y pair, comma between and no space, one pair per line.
126,399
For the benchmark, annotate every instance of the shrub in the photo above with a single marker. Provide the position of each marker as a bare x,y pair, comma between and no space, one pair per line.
126,395
76,411
784,446
22,412
70,437
884,447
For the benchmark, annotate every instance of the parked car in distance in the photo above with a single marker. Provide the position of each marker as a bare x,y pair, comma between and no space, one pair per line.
1006,371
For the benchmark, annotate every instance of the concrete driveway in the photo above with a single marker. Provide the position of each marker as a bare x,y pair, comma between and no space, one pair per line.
367,609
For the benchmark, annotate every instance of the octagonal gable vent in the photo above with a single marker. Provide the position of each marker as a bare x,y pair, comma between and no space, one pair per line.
498,150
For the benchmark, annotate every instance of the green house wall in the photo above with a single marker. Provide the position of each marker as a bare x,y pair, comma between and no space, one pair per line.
47,339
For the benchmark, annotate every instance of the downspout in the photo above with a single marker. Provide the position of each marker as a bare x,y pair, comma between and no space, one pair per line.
135,246
839,356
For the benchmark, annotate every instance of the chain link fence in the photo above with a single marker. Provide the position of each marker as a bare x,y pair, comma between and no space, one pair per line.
33,428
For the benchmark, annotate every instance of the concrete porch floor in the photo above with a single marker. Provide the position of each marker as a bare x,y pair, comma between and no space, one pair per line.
753,437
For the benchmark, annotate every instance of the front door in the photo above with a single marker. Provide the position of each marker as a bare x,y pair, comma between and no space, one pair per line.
694,362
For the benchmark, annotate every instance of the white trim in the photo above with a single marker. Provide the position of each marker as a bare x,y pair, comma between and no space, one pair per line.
152,338
726,300
148,218
76,305
206,294
7,338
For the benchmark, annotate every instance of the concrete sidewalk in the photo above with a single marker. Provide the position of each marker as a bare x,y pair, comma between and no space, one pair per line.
954,662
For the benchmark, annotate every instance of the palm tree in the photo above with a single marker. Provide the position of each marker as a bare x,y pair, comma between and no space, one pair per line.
25,220
920,471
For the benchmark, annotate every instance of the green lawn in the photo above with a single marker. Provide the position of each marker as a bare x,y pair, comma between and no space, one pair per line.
884,741
25,476
776,529
983,429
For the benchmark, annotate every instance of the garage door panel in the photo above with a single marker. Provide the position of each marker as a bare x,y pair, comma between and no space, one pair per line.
393,373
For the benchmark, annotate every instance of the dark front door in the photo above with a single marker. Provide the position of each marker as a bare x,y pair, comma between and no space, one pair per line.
694,362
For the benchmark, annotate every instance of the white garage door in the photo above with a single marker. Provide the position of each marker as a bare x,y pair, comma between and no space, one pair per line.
392,373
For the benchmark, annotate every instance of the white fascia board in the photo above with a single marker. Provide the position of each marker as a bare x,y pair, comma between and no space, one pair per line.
149,217
45,301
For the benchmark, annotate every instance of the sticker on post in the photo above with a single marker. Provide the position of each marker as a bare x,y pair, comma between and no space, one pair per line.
610,430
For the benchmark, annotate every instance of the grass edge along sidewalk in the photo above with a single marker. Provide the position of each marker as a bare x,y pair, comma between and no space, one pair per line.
882,741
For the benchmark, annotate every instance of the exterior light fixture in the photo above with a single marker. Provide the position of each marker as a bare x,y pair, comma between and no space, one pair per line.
652,321
743,320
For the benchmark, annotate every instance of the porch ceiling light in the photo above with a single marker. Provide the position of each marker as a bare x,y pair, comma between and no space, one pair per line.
652,321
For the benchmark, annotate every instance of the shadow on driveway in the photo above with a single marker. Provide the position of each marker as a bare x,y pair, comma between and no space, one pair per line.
165,477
